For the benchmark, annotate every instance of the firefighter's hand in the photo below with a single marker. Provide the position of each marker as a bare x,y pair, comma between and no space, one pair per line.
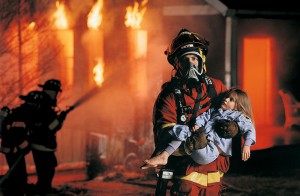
195,128
196,141
226,128
200,140
62,116
26,150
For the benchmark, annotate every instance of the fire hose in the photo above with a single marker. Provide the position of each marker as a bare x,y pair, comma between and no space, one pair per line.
11,169
82,99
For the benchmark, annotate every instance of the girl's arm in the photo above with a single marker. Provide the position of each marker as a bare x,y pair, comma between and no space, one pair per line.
180,132
247,130
203,118
249,134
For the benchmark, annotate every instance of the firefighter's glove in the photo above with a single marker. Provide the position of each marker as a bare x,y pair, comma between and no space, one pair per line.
26,150
226,128
196,141
62,116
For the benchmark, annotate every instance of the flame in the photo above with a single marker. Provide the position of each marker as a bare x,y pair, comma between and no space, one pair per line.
60,16
95,17
134,15
31,25
98,72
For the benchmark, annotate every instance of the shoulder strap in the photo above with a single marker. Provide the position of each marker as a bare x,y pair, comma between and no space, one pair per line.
196,106
210,87
183,110
211,90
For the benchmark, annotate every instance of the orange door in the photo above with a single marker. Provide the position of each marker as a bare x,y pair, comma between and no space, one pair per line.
257,78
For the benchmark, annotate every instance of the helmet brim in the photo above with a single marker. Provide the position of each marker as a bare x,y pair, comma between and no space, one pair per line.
171,57
25,98
45,88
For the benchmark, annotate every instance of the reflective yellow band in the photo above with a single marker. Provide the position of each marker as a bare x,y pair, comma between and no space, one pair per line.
168,125
42,148
204,179
53,125
18,124
23,144
7,150
4,149
214,177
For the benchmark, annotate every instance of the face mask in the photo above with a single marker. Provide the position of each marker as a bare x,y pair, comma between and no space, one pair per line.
190,71
193,72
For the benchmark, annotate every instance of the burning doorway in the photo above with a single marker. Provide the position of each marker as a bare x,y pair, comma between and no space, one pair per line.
257,78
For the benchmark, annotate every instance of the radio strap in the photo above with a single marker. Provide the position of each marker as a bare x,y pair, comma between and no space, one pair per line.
183,110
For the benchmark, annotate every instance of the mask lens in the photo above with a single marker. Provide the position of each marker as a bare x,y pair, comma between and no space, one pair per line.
190,68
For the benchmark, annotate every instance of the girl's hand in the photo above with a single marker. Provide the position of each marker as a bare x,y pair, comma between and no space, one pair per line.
195,128
246,153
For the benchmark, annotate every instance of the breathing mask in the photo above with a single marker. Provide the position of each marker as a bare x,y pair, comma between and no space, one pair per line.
190,67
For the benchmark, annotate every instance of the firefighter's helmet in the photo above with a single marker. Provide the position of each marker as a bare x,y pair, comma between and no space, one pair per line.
52,84
5,109
33,97
186,42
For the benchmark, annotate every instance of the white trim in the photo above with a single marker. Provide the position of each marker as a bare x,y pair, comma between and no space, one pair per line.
219,6
189,10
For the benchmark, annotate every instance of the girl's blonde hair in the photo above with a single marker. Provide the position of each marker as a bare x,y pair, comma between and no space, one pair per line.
242,100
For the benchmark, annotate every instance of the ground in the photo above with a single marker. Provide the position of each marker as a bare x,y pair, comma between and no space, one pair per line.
141,183
269,172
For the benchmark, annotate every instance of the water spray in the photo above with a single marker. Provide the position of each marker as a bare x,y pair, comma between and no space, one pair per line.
82,99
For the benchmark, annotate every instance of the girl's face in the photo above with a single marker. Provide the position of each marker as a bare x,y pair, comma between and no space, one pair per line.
229,103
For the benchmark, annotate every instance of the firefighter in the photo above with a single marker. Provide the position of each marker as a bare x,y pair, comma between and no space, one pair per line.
15,142
189,93
43,137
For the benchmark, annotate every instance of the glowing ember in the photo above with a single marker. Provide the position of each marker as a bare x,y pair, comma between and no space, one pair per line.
134,15
60,16
98,70
95,17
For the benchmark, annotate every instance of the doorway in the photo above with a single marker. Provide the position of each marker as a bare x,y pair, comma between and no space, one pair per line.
257,78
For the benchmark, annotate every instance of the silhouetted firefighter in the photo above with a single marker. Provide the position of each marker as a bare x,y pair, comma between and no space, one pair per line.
37,122
15,142
43,136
